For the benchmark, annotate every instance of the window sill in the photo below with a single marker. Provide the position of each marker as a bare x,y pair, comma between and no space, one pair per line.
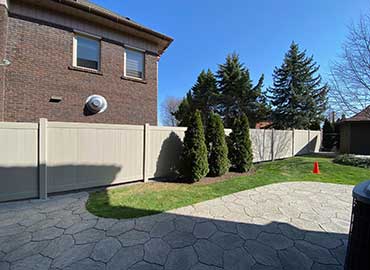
133,79
87,70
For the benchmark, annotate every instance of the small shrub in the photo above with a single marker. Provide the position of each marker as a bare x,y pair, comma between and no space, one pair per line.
194,158
216,144
353,160
240,145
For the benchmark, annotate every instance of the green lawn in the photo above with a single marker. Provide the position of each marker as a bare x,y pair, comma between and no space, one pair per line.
146,199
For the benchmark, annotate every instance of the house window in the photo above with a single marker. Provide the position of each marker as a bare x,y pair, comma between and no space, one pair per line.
134,63
86,52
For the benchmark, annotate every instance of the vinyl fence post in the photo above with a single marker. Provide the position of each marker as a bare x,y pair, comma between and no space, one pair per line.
264,145
308,142
293,143
43,168
272,145
146,150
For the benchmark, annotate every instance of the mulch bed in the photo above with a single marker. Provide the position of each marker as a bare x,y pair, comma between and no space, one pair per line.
208,180
227,176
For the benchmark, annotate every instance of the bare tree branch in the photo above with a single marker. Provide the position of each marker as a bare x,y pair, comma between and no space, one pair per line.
350,75
168,107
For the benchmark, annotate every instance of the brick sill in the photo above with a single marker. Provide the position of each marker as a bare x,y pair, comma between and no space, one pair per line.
91,71
133,79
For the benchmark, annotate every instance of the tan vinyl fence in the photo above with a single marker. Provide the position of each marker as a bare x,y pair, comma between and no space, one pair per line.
18,161
37,159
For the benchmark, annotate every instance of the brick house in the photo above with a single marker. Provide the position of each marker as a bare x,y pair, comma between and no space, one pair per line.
62,52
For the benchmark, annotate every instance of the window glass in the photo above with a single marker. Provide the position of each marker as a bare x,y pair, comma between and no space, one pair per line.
88,52
134,64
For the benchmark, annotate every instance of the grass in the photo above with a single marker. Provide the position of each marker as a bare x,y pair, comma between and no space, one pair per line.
151,198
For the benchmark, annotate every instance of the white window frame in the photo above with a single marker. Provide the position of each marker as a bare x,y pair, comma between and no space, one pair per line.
125,62
85,35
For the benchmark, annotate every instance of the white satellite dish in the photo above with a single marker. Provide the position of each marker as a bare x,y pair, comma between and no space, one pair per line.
96,104
5,62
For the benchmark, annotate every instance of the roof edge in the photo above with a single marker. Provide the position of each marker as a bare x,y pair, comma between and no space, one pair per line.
363,115
116,19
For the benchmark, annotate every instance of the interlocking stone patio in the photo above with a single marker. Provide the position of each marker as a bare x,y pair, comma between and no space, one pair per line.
281,226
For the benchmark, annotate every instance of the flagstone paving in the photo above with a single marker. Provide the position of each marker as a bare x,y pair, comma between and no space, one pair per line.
281,226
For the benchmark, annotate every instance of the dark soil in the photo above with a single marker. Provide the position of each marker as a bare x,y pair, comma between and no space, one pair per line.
207,180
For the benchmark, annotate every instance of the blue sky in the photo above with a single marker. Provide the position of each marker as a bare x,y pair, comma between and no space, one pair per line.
205,31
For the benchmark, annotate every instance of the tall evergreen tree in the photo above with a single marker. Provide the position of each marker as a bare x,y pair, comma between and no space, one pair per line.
298,97
240,145
204,94
328,135
194,157
202,97
237,93
216,144
337,133
185,110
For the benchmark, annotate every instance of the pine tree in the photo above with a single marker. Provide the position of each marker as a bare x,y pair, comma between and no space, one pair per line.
194,158
237,93
216,144
337,133
240,145
298,96
328,135
185,111
202,96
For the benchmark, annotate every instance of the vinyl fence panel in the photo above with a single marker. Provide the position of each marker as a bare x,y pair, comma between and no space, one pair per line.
259,145
37,159
301,139
89,155
315,140
283,143
165,146
18,161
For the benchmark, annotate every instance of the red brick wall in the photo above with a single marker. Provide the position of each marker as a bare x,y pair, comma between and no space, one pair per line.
40,57
3,33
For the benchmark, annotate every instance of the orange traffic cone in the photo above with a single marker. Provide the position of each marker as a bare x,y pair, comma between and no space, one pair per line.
316,169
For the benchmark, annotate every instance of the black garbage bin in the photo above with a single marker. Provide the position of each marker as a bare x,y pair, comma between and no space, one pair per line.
358,251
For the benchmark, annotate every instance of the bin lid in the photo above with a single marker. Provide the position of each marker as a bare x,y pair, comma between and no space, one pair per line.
361,192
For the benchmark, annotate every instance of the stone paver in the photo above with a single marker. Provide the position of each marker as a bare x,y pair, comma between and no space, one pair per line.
281,226
36,262
58,246
238,259
126,257
105,249
209,253
156,251
183,258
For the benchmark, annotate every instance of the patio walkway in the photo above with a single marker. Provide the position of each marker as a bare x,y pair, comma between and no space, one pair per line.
281,226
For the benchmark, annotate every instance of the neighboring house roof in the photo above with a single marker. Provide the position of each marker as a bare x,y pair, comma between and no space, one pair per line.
364,115
86,6
263,125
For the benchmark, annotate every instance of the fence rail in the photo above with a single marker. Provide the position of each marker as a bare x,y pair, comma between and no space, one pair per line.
37,159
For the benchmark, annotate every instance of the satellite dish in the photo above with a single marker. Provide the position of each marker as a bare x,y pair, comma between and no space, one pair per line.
5,62
96,104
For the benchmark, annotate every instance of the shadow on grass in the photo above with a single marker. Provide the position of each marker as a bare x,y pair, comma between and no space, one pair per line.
102,207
